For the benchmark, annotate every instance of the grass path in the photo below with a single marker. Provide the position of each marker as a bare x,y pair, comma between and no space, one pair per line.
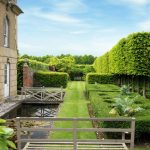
75,105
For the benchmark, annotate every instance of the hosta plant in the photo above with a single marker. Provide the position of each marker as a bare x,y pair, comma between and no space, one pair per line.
5,135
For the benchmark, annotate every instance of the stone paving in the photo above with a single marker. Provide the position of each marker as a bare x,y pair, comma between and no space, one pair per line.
9,104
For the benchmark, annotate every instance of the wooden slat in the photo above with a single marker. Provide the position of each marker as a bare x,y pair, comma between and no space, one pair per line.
78,119
78,129
64,146
75,143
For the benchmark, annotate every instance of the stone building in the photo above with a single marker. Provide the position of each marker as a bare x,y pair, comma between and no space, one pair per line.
8,47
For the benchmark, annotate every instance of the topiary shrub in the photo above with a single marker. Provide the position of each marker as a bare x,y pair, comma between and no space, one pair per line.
50,79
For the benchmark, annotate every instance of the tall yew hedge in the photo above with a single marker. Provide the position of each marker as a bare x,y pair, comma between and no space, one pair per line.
130,59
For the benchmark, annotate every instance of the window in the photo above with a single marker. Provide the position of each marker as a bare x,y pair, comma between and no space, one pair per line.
5,74
6,32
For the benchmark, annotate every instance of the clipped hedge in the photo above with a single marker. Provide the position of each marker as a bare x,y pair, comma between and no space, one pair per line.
80,71
130,60
33,64
100,78
50,79
102,101
129,56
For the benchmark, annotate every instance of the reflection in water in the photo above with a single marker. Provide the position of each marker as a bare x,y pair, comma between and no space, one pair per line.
29,110
33,110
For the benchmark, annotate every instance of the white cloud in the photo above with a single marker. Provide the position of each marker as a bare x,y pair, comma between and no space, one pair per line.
78,32
67,6
71,6
145,25
54,16
131,2
58,17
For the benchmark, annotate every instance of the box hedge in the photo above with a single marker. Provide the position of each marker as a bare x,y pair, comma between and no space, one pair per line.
102,104
100,78
50,79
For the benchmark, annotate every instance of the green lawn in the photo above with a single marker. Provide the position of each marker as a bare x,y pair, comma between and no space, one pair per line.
75,105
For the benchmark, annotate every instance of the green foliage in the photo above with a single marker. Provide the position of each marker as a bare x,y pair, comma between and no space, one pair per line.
5,134
33,64
80,71
101,64
103,102
85,59
65,64
125,106
129,56
124,90
100,78
44,59
50,79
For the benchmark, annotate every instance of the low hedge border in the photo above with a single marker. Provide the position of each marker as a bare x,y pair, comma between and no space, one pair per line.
100,78
101,108
50,79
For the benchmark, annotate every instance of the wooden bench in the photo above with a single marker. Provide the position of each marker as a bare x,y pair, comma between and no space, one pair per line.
75,143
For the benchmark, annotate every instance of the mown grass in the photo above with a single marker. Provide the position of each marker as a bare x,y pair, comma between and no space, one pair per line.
75,105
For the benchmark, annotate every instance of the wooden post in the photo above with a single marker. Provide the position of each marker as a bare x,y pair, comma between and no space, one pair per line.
18,133
138,84
22,92
132,134
74,134
123,136
144,86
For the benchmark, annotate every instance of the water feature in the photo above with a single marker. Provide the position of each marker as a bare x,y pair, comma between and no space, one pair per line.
33,110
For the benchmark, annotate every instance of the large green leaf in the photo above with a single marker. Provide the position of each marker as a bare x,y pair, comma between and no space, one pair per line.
5,131
11,144
3,145
2,121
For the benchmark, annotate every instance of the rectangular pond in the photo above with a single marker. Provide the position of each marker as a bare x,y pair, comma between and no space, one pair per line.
32,110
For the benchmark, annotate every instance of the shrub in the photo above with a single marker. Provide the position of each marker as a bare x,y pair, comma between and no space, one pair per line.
33,64
100,78
50,79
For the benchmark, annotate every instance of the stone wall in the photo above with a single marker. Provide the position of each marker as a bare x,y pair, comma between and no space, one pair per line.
8,55
4,11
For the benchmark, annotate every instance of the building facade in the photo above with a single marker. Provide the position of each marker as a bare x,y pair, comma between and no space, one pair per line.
8,48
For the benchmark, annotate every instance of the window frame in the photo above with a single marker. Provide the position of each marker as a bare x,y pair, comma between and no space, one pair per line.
6,32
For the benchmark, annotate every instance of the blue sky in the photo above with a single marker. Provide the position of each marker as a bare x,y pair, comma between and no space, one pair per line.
78,27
